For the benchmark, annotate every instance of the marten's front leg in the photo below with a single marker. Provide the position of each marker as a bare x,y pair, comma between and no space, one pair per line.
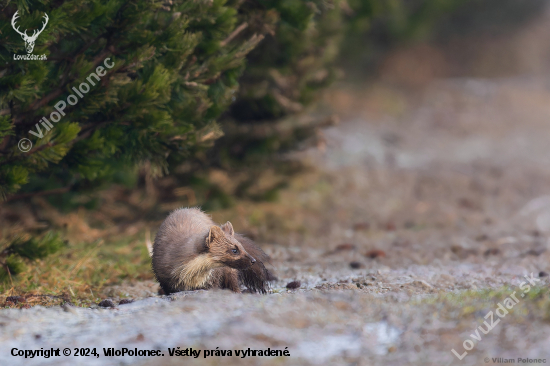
227,278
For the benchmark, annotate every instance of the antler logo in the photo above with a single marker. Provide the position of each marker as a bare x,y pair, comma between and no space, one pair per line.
29,40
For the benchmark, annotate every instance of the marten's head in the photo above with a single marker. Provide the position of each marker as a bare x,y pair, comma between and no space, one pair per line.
225,249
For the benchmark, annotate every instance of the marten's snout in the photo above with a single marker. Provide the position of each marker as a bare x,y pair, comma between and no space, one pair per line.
252,260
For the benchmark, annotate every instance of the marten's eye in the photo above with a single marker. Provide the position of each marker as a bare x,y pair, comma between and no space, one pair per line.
235,251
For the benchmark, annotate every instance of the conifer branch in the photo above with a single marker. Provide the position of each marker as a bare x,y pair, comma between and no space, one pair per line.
234,34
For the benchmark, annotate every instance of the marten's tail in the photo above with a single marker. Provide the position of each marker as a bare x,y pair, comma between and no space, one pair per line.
256,278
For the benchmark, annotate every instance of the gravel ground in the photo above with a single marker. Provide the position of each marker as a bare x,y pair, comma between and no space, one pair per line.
416,194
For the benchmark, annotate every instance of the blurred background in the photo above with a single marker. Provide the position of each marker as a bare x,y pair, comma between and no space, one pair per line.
391,148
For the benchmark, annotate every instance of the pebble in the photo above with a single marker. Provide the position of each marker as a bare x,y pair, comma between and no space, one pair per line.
107,303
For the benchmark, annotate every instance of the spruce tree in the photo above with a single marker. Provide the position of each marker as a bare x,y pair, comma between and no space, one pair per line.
174,69
284,76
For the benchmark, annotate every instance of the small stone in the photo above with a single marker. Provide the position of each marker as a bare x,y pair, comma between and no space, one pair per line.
293,285
16,299
376,253
463,253
356,265
107,303
125,301
492,251
345,246
482,237
543,274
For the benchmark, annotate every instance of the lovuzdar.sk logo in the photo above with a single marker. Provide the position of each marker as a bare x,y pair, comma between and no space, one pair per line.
29,40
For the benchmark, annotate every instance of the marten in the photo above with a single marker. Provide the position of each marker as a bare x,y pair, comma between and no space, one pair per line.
191,252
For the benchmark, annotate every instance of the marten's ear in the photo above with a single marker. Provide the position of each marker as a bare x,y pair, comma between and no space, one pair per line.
215,233
228,228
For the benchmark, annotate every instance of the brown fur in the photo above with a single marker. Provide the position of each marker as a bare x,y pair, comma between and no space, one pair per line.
191,252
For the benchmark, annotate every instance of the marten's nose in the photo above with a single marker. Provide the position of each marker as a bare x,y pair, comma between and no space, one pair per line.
252,260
